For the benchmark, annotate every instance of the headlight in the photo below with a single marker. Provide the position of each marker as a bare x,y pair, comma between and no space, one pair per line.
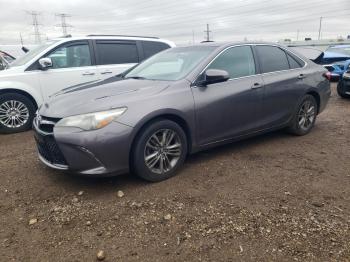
91,121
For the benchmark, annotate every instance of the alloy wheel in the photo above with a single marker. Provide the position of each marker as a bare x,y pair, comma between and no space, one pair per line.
306,115
13,114
162,151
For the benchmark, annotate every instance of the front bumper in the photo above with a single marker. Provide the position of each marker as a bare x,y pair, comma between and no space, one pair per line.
100,152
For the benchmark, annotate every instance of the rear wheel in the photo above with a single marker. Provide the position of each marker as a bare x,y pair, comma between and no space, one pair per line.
305,116
340,90
159,151
16,113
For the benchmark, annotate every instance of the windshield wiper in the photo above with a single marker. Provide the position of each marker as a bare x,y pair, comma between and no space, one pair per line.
135,77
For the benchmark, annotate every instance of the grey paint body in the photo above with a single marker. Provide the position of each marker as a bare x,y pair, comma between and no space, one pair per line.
211,115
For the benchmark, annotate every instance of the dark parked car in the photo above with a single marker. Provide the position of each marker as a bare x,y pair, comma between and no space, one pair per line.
343,87
177,102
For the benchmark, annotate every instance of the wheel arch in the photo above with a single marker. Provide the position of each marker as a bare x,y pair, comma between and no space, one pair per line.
172,115
317,98
21,92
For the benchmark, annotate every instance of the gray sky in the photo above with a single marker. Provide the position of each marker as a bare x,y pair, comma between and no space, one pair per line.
267,20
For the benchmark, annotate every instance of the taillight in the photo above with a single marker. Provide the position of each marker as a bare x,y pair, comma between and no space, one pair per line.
327,75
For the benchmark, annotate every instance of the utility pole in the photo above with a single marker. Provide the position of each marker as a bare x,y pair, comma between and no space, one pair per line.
319,29
207,33
297,34
35,24
63,24
20,36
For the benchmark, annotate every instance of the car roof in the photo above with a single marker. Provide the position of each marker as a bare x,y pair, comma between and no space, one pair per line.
116,37
226,44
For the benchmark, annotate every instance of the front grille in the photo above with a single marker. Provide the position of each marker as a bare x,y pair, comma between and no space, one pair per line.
49,149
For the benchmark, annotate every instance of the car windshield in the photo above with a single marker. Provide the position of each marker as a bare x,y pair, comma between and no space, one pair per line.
172,64
31,54
345,50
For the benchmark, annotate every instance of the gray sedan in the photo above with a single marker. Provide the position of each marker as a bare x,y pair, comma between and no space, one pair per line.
179,102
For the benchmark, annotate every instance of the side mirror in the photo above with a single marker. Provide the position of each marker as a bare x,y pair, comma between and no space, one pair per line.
212,76
45,63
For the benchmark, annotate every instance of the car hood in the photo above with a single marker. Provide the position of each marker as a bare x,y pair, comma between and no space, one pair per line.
99,96
12,71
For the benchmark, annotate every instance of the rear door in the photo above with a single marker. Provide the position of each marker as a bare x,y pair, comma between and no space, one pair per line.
283,75
115,56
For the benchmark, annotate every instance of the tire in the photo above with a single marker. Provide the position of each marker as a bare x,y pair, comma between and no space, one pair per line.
340,90
298,126
149,144
22,109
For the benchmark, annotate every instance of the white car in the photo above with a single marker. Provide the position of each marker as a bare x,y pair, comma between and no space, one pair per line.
64,62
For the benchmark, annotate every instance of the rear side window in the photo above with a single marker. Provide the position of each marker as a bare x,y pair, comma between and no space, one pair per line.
110,52
272,59
150,48
237,61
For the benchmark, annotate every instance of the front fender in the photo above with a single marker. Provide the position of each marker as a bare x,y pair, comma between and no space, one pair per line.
13,86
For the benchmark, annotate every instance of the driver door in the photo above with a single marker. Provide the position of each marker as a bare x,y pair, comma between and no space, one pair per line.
228,109
71,65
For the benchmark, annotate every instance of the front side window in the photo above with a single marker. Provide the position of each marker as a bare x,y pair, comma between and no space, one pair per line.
272,59
237,61
71,56
110,52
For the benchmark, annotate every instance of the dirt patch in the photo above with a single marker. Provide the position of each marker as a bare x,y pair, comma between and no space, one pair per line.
273,197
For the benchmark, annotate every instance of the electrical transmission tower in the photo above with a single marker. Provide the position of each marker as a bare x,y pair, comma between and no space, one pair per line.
207,38
64,24
35,24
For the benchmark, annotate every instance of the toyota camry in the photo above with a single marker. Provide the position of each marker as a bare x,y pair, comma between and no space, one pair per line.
178,102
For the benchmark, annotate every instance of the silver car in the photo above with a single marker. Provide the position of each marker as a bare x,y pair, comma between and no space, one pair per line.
178,102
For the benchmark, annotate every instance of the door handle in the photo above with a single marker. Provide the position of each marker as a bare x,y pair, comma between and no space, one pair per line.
301,76
256,85
88,74
106,72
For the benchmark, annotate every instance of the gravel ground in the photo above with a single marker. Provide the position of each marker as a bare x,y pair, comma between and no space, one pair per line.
274,197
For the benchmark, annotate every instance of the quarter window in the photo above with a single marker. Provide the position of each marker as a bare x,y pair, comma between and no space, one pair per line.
272,59
237,61
294,62
71,56
110,52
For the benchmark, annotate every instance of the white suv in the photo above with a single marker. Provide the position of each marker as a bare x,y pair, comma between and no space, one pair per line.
65,62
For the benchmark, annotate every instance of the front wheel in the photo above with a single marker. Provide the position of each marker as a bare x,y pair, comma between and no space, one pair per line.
340,91
16,113
159,151
305,116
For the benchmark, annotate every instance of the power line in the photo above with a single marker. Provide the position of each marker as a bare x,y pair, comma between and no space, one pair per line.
63,24
35,24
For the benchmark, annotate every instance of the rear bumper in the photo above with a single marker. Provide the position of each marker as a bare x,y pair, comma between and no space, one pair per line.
102,152
325,94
